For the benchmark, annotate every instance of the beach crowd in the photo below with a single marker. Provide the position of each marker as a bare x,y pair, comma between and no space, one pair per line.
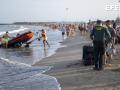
105,35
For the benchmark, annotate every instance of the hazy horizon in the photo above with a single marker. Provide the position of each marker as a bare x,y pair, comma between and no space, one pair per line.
55,10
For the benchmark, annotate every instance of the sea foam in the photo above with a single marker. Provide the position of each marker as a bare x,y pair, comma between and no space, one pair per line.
19,76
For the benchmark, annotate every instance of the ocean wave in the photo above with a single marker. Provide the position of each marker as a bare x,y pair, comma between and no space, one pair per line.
19,76
14,68
15,31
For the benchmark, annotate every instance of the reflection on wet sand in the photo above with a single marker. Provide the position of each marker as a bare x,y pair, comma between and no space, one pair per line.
19,54
45,52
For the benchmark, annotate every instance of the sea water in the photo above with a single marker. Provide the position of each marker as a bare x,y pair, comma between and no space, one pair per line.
16,72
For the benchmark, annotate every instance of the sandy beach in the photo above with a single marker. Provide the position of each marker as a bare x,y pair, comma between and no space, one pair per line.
72,75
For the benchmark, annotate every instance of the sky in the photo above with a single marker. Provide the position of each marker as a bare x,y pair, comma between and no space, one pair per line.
55,10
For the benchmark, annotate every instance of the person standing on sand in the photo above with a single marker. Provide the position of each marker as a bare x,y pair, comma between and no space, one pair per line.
111,44
72,31
114,24
81,29
98,36
111,30
67,30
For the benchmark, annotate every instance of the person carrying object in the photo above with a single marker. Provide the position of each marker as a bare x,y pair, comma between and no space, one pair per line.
44,37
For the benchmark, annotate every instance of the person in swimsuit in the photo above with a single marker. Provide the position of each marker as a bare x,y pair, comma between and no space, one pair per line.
5,39
44,37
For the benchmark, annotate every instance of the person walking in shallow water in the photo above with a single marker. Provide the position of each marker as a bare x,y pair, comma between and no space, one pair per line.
63,32
44,37
67,30
5,39
98,36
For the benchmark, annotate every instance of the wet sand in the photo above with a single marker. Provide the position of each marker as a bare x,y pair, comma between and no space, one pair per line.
72,75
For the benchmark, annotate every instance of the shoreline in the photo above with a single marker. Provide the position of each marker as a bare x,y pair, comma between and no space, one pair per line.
72,75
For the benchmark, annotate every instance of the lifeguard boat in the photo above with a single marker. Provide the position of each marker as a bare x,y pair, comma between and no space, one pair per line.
18,41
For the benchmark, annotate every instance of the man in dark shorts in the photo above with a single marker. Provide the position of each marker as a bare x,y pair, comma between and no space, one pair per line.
63,32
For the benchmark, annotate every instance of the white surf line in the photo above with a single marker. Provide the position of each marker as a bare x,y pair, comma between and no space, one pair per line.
15,31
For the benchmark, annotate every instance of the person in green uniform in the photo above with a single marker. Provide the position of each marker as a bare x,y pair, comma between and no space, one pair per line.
98,36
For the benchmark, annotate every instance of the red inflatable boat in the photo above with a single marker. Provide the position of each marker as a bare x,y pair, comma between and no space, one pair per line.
19,40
